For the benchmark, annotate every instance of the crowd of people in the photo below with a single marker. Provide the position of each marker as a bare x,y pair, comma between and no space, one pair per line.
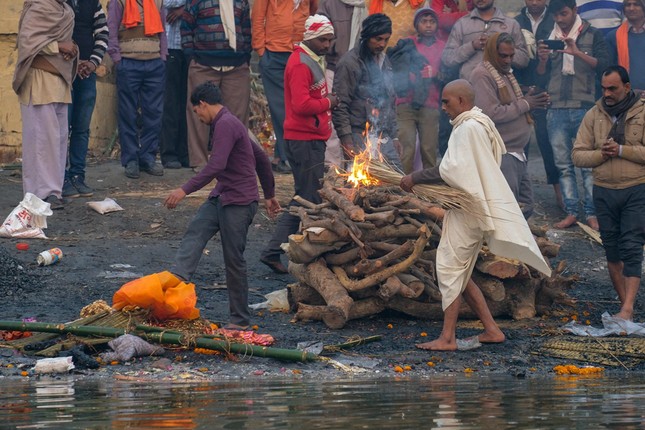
183,82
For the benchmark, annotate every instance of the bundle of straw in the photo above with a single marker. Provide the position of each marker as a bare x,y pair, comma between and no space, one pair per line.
443,195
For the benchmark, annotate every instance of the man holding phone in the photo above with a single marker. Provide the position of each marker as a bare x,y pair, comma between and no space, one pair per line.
570,75
537,23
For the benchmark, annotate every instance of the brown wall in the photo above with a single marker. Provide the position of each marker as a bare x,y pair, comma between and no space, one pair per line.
103,124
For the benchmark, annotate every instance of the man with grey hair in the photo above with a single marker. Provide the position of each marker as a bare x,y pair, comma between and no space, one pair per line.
499,96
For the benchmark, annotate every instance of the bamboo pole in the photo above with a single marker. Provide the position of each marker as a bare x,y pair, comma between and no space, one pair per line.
169,338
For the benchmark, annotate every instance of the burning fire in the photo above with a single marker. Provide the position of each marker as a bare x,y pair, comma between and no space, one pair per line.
359,173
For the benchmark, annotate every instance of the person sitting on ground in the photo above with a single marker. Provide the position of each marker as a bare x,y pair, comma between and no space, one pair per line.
231,205
611,141
471,164
416,62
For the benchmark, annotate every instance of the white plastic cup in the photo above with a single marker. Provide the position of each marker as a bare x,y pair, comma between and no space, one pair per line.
50,256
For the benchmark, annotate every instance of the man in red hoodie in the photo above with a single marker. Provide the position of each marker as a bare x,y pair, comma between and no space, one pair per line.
307,126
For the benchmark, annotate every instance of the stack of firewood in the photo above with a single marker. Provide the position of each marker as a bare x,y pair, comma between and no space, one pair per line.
367,249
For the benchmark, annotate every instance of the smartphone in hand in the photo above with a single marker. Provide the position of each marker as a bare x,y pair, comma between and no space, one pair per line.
556,45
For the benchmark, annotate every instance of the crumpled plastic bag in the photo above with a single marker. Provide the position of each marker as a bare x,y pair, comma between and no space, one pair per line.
27,219
162,293
54,365
128,346
277,301
611,325
105,206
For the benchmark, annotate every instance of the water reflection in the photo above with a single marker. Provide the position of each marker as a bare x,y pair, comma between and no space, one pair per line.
442,402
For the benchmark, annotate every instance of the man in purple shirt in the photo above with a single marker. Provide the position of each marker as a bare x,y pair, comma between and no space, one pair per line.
231,205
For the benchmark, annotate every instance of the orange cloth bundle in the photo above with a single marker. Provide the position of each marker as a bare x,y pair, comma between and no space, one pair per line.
151,18
162,293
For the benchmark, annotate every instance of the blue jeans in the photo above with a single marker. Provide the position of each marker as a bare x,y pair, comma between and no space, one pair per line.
563,126
140,84
79,116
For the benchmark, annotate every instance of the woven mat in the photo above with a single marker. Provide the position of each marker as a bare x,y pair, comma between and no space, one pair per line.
609,351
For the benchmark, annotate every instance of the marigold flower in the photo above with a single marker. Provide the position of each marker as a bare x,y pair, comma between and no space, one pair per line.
398,369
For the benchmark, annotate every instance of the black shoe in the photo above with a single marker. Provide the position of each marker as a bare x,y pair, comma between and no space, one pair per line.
172,165
281,167
275,265
132,170
79,183
54,202
69,190
153,169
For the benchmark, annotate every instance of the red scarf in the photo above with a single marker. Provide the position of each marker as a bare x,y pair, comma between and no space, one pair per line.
151,18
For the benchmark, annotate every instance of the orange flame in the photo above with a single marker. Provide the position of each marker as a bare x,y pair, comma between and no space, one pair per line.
359,174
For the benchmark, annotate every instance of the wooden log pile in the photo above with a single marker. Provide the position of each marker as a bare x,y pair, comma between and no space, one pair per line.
364,250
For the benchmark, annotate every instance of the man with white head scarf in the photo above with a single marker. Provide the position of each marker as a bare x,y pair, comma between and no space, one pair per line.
307,125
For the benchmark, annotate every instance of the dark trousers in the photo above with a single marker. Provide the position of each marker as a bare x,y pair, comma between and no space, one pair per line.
621,216
233,223
79,117
174,145
307,160
140,84
542,137
272,65
517,175
445,129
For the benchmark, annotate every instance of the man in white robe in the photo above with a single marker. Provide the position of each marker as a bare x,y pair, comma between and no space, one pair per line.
471,163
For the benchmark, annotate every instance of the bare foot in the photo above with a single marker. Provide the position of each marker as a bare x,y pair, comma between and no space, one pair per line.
438,345
592,222
625,314
491,336
566,223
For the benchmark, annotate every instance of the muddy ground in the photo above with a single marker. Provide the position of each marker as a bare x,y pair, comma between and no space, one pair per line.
146,235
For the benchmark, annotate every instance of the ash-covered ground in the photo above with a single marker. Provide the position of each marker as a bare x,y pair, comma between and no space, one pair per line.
102,252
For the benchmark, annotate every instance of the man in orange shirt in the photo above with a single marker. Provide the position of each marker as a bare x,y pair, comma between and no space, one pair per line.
276,27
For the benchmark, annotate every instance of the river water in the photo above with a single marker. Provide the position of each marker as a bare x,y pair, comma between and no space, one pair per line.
443,402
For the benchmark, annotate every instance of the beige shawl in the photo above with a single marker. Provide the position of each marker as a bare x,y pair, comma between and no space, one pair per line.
42,22
471,163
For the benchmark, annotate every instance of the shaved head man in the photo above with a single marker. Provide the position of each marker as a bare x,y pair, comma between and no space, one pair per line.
472,164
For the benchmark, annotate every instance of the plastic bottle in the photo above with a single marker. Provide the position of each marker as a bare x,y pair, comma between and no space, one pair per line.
50,256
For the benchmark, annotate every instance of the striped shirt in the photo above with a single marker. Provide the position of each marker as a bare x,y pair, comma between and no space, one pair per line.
93,50
605,15
173,32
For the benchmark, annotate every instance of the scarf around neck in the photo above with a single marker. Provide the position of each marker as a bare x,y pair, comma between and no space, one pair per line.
497,143
492,65
359,13
619,111
567,59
